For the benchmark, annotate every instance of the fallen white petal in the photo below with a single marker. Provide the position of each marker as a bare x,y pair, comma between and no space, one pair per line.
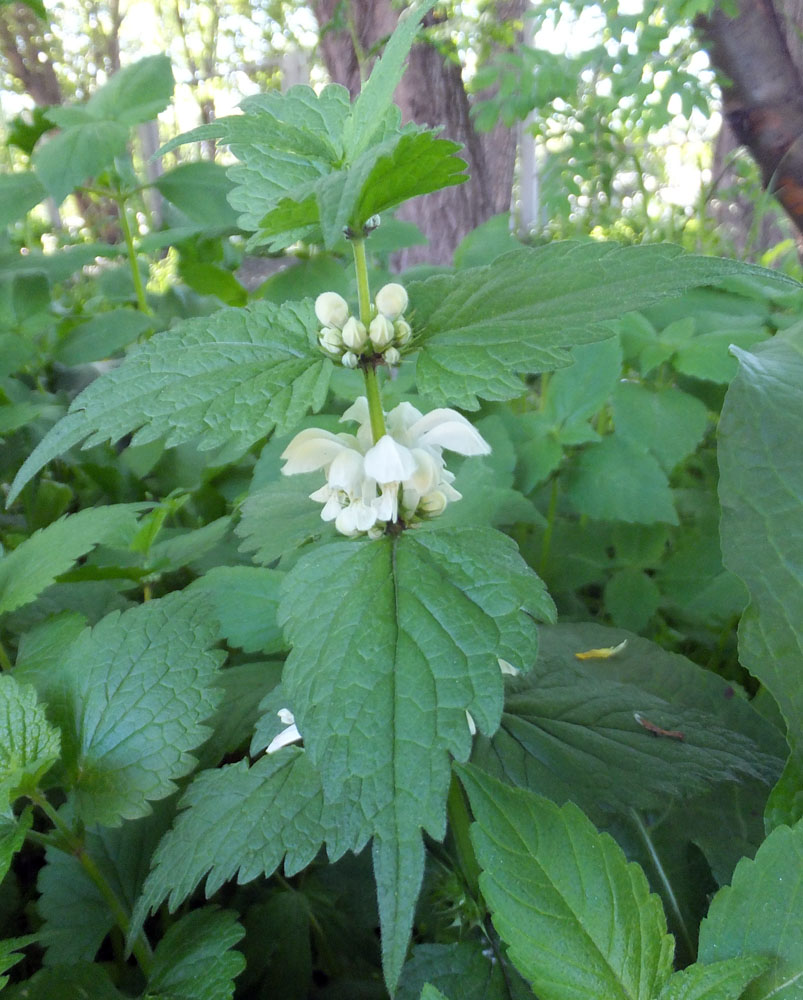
285,738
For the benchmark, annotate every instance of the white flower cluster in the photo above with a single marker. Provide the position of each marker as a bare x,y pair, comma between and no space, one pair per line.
401,477
344,338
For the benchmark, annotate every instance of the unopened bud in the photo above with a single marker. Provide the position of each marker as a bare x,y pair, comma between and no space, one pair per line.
354,334
392,356
332,309
330,340
381,332
403,332
391,300
433,504
350,360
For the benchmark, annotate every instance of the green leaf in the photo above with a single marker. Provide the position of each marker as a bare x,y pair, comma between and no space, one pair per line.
725,980
460,969
102,336
18,194
484,327
578,918
760,914
12,837
429,992
9,954
36,562
668,423
287,503
136,93
76,916
195,960
244,687
707,356
29,744
244,600
380,685
134,692
227,379
376,96
238,822
631,598
616,480
200,190
67,982
761,492
65,160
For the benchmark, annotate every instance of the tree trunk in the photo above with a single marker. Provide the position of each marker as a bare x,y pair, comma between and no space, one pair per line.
431,93
763,92
26,54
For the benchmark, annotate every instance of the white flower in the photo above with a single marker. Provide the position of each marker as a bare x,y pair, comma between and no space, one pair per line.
332,309
402,476
355,336
286,736
392,356
403,332
331,341
381,332
391,300
350,360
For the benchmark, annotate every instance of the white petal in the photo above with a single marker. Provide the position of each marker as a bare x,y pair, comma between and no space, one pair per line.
391,300
388,461
508,668
427,472
286,717
448,429
386,506
357,411
311,449
354,334
472,725
401,418
332,508
433,503
285,738
346,472
381,332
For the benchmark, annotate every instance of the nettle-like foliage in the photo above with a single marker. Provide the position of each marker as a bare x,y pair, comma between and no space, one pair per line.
410,629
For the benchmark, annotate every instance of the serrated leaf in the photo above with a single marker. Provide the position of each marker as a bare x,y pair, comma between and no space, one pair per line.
380,685
238,822
616,480
227,379
285,502
195,960
760,914
761,492
578,918
67,982
134,693
484,327
244,600
12,837
244,687
376,96
461,969
725,980
9,954
29,744
39,560
136,93
668,423
200,191
76,916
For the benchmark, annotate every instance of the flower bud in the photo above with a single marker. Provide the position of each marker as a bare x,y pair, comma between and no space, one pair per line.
350,360
433,504
332,309
391,300
403,332
392,356
354,335
381,332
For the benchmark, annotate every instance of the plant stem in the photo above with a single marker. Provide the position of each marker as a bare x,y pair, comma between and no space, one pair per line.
369,370
5,661
139,288
73,844
546,543
459,820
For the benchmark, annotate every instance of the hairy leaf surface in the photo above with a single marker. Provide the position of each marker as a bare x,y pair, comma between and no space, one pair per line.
195,960
760,914
483,327
132,696
578,918
29,744
227,379
724,980
761,491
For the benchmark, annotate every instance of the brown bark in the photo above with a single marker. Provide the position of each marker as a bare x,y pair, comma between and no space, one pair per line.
26,54
431,93
762,95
